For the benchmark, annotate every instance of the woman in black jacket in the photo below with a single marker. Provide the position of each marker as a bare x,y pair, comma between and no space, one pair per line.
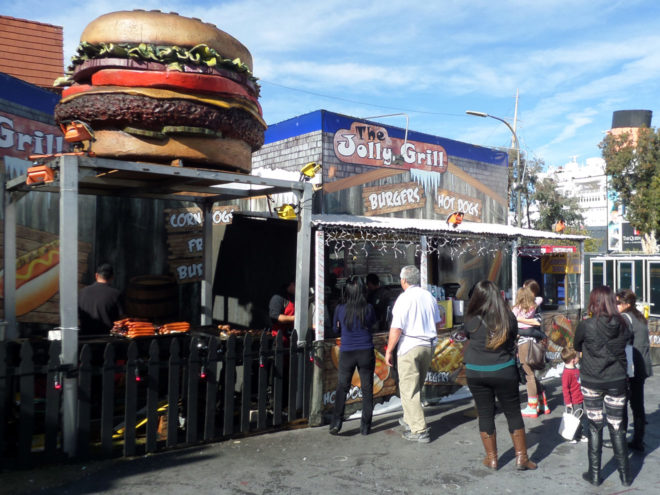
626,302
491,371
603,374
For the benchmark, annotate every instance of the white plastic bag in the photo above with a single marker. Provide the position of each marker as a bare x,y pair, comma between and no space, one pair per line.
569,423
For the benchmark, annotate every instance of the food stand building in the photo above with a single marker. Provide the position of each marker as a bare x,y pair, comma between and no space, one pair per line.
384,200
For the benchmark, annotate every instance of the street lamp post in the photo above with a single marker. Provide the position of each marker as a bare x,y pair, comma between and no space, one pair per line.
518,178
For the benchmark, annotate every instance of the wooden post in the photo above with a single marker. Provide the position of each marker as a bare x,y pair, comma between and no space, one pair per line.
262,392
193,391
53,396
278,378
293,375
84,400
153,376
230,383
211,372
108,398
246,393
26,409
130,414
173,385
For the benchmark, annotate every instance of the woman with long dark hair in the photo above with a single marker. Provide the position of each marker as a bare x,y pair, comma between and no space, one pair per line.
354,320
626,302
491,371
603,375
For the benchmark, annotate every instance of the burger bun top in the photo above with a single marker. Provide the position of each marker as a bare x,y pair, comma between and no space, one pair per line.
159,28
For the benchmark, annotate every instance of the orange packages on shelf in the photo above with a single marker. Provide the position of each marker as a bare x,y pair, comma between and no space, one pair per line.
174,327
133,327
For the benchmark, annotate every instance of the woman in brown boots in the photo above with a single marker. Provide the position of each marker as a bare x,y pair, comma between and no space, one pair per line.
491,371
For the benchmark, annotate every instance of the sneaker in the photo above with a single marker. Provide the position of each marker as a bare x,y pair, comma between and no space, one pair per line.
584,440
573,441
404,424
529,412
422,437
543,409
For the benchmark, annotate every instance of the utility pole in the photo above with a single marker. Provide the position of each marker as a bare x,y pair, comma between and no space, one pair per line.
519,178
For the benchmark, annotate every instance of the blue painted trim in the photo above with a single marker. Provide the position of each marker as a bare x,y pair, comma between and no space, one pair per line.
28,95
332,122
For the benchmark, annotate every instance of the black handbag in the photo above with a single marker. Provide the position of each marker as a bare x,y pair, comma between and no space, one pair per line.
535,358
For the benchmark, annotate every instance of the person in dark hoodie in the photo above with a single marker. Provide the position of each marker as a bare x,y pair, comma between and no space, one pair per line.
603,373
626,302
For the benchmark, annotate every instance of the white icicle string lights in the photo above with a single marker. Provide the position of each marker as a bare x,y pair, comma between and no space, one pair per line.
356,240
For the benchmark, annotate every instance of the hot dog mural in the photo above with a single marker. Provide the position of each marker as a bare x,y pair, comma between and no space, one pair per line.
38,275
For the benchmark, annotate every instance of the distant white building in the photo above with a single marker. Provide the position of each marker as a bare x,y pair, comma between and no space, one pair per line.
586,182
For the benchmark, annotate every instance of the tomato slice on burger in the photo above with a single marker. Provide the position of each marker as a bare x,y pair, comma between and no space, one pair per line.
184,81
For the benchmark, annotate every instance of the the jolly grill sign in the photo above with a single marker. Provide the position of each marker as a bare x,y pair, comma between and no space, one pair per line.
371,145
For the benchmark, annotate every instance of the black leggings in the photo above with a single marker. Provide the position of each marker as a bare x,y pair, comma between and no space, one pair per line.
365,361
503,384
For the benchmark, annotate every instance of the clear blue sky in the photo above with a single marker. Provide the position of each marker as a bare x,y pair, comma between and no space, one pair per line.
573,62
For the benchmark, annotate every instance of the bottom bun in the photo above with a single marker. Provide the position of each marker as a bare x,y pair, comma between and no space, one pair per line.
37,291
221,153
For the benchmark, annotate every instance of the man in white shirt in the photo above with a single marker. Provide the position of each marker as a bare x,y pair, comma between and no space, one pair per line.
414,328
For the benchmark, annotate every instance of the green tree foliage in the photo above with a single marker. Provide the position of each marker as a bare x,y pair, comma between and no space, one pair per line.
554,206
529,179
634,173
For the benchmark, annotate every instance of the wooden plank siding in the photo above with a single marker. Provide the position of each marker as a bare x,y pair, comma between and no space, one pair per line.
31,51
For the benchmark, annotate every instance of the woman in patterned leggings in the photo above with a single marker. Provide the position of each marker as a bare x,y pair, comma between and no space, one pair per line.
602,340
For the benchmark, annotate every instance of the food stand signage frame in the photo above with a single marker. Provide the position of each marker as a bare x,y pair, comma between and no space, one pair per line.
430,235
76,175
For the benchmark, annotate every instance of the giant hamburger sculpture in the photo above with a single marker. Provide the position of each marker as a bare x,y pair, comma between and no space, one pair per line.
160,87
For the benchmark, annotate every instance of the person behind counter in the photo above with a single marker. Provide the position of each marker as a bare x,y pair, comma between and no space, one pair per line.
354,320
490,369
281,310
414,328
99,304
377,297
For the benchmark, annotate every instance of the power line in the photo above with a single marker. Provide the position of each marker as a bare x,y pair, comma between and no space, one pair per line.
356,102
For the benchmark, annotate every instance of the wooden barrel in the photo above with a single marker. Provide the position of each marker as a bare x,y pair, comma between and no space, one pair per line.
152,296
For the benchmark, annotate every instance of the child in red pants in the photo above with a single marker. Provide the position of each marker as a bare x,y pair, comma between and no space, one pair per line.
570,384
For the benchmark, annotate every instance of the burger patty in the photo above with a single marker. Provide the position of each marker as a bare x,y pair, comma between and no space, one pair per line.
118,111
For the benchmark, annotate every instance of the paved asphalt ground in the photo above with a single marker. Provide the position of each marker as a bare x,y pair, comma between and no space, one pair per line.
309,460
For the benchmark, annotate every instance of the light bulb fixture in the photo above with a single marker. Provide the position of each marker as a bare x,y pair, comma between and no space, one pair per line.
455,219
309,171
286,212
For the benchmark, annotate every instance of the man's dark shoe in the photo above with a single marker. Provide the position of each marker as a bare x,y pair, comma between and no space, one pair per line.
335,427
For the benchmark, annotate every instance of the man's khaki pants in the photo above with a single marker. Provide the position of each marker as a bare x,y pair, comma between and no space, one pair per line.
412,368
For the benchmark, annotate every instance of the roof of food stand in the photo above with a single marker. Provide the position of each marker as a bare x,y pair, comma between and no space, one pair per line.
435,227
